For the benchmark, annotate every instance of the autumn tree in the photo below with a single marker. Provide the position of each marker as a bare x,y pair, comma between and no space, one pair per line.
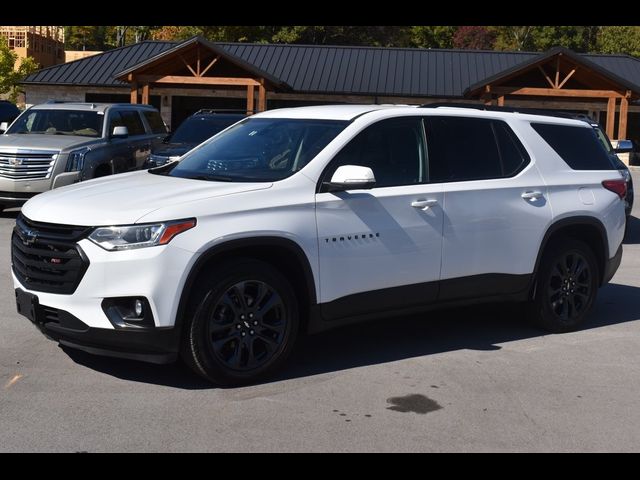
474,38
10,76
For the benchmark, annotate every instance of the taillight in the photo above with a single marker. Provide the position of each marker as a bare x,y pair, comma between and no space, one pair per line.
618,186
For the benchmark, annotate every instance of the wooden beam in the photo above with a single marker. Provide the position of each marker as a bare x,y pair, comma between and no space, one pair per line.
546,76
553,92
198,62
134,93
145,94
501,101
211,64
250,102
624,113
262,96
188,66
611,116
557,72
567,78
182,80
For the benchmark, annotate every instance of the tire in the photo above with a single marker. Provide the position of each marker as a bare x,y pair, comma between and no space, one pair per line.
229,337
565,295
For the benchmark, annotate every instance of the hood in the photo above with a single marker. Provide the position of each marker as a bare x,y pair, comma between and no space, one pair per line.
44,141
172,149
123,199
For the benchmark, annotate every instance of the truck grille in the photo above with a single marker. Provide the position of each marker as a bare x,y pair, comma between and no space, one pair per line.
27,164
46,257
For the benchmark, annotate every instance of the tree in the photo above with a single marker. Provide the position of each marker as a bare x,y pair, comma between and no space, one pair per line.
474,38
512,37
432,36
573,37
619,39
10,77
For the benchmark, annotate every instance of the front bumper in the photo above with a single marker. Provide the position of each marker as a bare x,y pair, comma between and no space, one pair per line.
157,345
15,199
156,274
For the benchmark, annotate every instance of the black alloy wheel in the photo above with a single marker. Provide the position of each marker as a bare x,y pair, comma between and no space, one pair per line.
242,322
566,286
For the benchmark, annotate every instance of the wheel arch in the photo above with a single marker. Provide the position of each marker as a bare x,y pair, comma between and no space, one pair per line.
260,248
585,228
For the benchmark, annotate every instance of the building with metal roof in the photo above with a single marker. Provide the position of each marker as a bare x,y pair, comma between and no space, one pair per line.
182,77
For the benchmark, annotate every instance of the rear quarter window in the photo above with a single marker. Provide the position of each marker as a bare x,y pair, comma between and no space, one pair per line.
579,147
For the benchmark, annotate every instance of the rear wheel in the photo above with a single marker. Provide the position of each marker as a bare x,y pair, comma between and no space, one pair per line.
567,285
244,321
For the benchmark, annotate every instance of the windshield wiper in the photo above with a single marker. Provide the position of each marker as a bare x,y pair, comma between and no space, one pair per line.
213,178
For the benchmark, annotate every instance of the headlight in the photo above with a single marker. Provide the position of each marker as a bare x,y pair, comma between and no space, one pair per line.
75,161
128,237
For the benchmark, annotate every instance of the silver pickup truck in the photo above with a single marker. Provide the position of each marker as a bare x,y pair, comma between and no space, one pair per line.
57,144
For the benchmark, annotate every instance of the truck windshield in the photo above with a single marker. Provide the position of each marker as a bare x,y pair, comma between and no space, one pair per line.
257,150
59,122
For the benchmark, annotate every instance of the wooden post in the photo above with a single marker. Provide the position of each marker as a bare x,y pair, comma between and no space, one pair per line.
501,101
262,96
250,102
145,94
134,92
611,116
624,112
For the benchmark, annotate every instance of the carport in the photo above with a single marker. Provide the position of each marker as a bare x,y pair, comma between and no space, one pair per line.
200,64
564,77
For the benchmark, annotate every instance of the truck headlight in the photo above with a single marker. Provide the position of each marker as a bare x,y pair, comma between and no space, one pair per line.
75,161
128,237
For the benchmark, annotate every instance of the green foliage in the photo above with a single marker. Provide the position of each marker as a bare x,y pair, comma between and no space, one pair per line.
609,39
432,36
619,39
11,77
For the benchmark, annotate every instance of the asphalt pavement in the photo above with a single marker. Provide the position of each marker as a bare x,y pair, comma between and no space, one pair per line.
475,379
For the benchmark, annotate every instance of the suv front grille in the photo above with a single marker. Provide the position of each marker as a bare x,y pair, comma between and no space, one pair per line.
46,258
27,164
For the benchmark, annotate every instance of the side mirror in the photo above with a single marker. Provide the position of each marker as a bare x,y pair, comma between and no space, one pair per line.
120,132
4,126
623,146
351,177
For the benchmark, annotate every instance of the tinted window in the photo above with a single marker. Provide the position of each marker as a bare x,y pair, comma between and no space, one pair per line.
579,147
392,148
512,153
155,121
257,150
131,119
198,129
462,149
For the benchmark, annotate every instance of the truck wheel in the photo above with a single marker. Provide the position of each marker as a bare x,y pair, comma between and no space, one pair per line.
243,323
567,285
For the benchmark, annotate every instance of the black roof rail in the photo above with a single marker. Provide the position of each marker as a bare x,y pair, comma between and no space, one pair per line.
221,110
526,110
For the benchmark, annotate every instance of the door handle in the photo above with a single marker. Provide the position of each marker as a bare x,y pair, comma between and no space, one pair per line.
532,196
424,204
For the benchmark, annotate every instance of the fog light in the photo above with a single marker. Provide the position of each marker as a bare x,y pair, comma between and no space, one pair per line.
138,308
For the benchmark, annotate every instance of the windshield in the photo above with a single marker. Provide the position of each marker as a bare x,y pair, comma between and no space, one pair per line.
198,129
59,122
258,150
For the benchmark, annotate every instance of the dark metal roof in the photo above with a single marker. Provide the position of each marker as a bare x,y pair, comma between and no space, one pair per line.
251,68
99,69
542,57
338,70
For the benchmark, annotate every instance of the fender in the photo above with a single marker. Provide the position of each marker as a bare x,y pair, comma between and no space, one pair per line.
266,241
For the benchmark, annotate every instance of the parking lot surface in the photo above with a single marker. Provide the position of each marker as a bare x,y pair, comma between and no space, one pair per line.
473,379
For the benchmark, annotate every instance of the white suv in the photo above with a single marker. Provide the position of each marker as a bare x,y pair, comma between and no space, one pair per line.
304,219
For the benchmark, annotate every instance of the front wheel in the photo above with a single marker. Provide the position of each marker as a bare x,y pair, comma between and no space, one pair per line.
244,322
567,284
